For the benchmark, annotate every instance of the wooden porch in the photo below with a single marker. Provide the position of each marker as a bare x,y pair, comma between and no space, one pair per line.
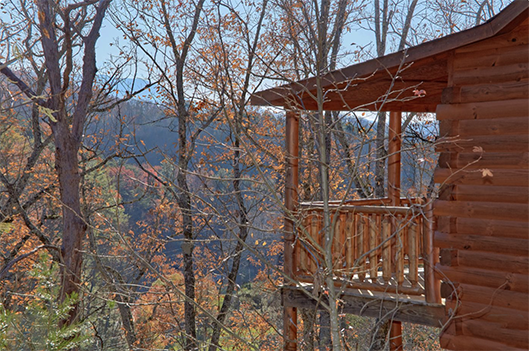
383,254
375,247
383,260
382,251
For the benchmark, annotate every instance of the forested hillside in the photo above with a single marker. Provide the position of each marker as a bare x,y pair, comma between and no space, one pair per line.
141,196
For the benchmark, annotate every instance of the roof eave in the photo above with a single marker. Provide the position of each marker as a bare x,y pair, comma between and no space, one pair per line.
511,16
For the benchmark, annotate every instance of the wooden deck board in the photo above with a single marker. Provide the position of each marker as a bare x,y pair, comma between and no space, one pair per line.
407,287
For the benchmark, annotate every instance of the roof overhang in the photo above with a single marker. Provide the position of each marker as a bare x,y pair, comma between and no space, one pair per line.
410,80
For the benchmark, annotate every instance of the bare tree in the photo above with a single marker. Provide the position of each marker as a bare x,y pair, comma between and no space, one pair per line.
60,29
156,22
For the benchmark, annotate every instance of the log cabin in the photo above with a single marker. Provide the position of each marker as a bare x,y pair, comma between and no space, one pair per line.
460,261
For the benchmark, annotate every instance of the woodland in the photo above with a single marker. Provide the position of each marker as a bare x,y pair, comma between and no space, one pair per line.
141,195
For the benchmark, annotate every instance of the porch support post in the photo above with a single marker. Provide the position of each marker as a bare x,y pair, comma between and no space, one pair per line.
395,142
394,160
432,285
290,322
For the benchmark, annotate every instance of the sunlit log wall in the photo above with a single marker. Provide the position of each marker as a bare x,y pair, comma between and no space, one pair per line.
482,226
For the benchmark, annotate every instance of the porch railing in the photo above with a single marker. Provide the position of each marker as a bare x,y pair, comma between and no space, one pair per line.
375,246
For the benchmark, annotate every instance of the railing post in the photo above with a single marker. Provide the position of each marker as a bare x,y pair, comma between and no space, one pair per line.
432,285
290,328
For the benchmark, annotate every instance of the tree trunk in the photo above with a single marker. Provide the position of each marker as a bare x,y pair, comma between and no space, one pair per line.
379,334
184,203
380,155
74,226
308,316
243,234
324,335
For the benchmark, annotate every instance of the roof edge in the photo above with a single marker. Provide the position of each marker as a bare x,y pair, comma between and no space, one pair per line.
503,22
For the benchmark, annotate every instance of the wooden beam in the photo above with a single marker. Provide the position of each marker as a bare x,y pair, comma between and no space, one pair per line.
489,227
502,40
492,127
359,202
431,257
291,201
498,160
484,277
395,142
368,286
494,332
486,210
367,209
512,194
395,336
495,57
490,244
502,177
465,342
503,298
403,310
483,110
498,143
509,318
487,75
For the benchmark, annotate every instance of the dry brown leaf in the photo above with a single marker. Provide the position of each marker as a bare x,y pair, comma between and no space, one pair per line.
485,172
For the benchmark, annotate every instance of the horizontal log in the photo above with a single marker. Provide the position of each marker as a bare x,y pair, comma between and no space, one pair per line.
357,202
448,257
483,110
497,297
498,160
514,38
494,92
491,75
507,318
486,210
493,127
393,289
409,311
465,342
493,57
481,160
449,129
495,332
498,143
484,277
495,261
489,244
512,194
451,95
391,210
390,289
492,227
500,177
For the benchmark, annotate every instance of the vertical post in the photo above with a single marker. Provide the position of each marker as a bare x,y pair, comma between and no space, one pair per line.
394,159
431,257
395,142
395,336
291,202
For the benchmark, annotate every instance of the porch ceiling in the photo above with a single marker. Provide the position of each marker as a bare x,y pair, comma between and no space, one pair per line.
388,83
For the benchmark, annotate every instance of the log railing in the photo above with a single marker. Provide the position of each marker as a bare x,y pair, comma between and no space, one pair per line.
375,246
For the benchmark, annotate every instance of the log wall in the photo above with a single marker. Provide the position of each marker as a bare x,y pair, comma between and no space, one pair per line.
483,216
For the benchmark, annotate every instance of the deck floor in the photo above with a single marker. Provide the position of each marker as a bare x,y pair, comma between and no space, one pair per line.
410,308
378,285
